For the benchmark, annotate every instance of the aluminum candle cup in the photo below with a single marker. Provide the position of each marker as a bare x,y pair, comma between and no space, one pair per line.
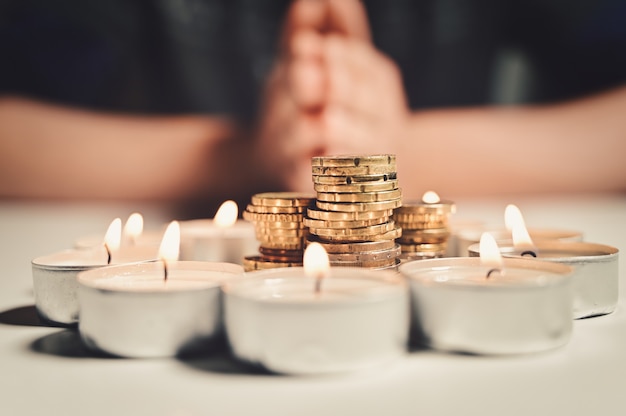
457,309
465,238
595,278
54,278
359,319
131,311
202,240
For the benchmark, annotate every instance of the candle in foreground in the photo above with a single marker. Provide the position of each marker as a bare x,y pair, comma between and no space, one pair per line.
294,323
470,305
222,239
155,309
54,276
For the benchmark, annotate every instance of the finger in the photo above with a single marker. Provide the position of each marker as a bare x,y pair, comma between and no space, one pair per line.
347,132
306,83
304,14
349,18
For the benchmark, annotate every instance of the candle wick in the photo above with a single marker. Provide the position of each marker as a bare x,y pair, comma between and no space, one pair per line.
106,247
318,283
528,253
164,270
492,271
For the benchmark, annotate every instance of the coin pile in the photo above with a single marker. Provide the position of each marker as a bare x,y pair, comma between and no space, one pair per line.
425,229
356,196
278,223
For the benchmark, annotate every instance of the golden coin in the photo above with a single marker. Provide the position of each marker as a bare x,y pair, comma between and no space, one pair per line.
361,231
281,246
353,160
310,222
371,263
256,216
348,180
278,238
282,232
277,253
353,247
360,197
353,170
386,254
420,221
424,248
282,199
359,206
260,209
251,263
435,235
357,187
418,207
389,235
286,225
347,216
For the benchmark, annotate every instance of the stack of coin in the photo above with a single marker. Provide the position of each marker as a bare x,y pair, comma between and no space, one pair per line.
356,196
278,222
425,228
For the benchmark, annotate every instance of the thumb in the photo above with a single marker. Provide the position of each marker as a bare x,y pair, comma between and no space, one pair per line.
304,15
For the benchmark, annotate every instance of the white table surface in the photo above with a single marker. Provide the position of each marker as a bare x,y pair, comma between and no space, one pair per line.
46,370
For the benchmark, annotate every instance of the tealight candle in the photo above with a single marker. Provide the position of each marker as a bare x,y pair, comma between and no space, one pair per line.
595,278
133,234
467,237
133,311
54,275
290,322
223,239
471,306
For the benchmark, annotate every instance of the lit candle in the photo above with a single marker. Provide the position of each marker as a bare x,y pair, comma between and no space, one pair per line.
222,239
490,305
133,233
595,278
54,275
311,319
154,309
466,237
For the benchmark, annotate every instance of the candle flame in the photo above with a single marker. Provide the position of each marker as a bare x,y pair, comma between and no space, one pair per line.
316,264
170,244
113,236
134,226
514,222
430,197
489,252
227,214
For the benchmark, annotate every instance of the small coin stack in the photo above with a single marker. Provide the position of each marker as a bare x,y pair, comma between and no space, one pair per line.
356,196
278,222
425,228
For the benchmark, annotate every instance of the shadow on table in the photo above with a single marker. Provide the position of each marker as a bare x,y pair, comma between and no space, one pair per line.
66,343
220,360
22,316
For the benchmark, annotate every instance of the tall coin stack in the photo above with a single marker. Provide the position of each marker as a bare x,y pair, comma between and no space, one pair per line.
356,196
278,223
425,229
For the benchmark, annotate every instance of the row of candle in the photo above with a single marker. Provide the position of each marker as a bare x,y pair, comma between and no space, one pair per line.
358,318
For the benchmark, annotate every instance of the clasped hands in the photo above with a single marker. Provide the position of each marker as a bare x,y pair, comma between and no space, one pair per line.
330,92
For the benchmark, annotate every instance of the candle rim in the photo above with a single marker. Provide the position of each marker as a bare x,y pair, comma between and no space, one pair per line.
216,274
594,251
394,284
557,273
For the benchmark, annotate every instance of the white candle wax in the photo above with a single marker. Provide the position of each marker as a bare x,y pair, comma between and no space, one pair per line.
359,319
203,240
467,237
132,311
595,278
457,308
54,278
